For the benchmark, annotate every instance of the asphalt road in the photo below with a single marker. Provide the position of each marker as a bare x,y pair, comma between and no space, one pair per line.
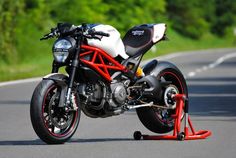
211,77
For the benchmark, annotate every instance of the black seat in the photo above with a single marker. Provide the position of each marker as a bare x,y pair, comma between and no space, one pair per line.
138,40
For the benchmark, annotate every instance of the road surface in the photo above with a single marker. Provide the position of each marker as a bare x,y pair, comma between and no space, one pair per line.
211,77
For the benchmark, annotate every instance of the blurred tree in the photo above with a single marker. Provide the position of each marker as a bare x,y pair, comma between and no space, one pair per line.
9,10
78,11
225,16
37,12
187,17
124,14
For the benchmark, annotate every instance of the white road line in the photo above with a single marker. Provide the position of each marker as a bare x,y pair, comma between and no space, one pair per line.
20,81
171,56
212,83
211,65
164,57
191,74
212,95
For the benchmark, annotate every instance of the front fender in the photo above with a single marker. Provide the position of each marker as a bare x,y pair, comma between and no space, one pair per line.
61,80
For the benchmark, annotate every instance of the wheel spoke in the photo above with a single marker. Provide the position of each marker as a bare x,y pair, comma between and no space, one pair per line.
53,128
56,119
46,117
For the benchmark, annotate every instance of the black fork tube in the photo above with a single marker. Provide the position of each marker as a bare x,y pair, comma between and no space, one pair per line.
74,66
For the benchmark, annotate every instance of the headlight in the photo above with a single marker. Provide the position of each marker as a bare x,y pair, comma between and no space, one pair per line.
61,49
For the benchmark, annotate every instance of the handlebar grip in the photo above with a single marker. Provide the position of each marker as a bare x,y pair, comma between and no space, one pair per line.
102,33
47,36
42,38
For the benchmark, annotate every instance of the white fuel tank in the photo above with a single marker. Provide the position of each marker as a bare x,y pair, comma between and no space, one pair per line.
112,45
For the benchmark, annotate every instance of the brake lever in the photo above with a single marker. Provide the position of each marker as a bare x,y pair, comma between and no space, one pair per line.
55,32
43,38
98,38
47,36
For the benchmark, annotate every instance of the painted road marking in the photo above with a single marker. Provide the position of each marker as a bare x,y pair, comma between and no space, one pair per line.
211,65
20,81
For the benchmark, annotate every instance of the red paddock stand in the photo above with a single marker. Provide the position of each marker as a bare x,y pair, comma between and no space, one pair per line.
177,134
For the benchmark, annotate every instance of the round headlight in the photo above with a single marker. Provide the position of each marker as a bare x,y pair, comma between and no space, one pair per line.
61,50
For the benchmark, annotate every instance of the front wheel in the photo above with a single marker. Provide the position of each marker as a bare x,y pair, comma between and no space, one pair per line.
53,124
159,120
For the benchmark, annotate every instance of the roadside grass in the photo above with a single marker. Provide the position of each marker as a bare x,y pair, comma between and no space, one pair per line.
39,61
27,70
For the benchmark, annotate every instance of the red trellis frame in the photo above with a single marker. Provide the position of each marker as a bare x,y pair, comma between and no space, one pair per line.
100,61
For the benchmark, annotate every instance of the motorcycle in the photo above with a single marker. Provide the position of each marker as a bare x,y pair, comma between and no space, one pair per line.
104,78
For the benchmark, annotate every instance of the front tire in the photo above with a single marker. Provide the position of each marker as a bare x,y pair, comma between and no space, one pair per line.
51,123
159,120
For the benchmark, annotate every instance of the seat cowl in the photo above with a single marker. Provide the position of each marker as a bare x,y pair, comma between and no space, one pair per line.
158,32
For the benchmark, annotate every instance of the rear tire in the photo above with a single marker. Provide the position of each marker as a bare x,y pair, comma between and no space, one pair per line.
152,117
41,106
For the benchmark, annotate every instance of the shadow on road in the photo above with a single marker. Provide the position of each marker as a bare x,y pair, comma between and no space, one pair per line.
39,142
94,140
21,142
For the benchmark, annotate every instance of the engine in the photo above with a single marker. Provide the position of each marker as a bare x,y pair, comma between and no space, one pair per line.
119,94
100,100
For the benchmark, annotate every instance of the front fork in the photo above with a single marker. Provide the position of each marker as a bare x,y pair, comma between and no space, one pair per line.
74,66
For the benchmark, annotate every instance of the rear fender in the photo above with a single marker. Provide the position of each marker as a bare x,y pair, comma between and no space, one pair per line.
155,67
61,81
153,70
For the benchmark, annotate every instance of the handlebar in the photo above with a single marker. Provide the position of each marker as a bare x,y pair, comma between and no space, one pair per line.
92,34
53,33
47,36
60,30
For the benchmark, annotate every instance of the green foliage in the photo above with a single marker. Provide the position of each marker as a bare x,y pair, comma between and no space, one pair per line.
225,16
195,18
125,14
187,17
77,11
37,13
23,22
122,14
8,12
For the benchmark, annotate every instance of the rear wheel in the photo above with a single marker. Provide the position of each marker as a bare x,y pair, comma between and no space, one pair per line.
159,120
53,124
